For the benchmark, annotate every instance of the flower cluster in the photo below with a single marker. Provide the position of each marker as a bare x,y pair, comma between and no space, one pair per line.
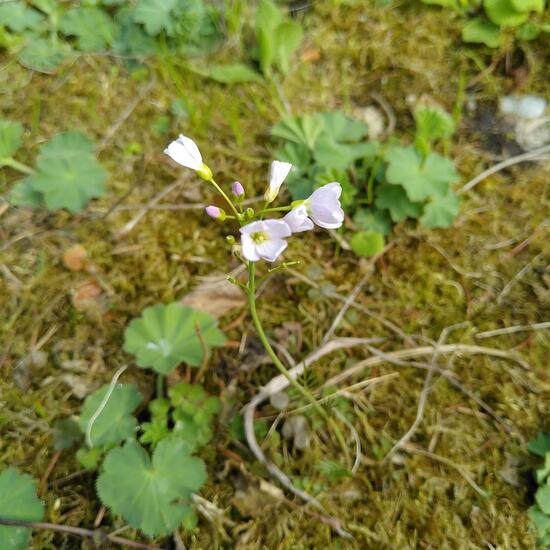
266,238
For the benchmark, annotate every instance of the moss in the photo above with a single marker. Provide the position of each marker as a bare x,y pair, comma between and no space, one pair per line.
428,281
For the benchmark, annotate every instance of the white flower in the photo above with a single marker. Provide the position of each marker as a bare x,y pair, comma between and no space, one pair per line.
185,152
323,206
277,174
297,219
264,239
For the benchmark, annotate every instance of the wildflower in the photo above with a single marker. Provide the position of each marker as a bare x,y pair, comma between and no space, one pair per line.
297,219
323,206
185,152
237,189
215,212
264,239
277,174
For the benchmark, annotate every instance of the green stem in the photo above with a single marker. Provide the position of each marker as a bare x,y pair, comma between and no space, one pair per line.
227,199
282,369
276,209
372,177
160,386
16,165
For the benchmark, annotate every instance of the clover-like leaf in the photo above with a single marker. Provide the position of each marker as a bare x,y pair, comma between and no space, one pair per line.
18,17
302,130
343,128
156,15
481,30
10,138
167,335
115,422
395,199
18,500
373,219
540,445
441,211
503,13
367,243
93,28
43,55
67,175
151,494
421,178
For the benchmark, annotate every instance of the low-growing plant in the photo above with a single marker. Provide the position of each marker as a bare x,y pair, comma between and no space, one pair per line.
382,183
499,18
67,173
539,513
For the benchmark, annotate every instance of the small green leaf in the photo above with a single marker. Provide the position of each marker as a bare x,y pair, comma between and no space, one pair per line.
157,429
115,422
303,130
481,30
524,6
395,199
544,472
166,335
89,458
343,128
433,123
367,243
130,38
421,179
503,13
23,194
268,18
540,445
151,495
10,138
330,154
230,74
66,432
18,17
542,496
18,500
288,37
441,211
43,56
528,32
373,219
540,520
156,15
93,28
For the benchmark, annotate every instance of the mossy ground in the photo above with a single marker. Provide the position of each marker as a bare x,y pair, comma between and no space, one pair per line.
429,280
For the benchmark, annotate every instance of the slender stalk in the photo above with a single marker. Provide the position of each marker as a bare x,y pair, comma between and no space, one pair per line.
251,289
227,199
16,165
160,385
276,209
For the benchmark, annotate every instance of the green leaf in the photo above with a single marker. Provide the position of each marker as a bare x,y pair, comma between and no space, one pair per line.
298,155
300,188
43,55
288,37
302,130
540,445
18,500
373,219
443,3
166,335
130,38
17,17
420,179
268,18
23,194
540,520
367,243
528,31
395,199
343,128
544,472
542,497
156,15
89,458
503,13
433,123
115,422
229,74
10,138
93,28
330,154
525,6
68,175
151,495
481,30
66,432
333,470
441,211
157,429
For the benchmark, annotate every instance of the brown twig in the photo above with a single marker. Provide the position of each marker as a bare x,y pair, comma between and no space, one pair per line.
47,473
95,534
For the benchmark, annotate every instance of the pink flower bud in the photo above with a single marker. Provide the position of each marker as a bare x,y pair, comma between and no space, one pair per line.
237,189
214,211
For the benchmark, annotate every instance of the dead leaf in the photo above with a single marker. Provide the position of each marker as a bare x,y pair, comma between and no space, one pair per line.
85,296
74,257
215,296
310,55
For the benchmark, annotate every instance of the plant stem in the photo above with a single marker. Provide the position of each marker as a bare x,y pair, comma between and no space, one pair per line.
251,289
227,199
160,385
16,165
276,209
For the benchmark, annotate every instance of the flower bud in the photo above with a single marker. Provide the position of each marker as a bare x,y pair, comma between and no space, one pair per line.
215,212
229,239
249,213
238,190
204,172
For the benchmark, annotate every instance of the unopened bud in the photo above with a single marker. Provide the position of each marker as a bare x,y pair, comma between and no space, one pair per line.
204,172
229,239
232,280
249,213
215,212
238,190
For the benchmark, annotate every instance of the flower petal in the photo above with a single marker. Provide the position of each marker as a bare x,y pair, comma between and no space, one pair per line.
297,219
271,249
276,228
252,228
185,152
249,248
277,174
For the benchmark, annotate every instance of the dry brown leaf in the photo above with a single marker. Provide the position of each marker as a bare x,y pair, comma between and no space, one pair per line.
85,296
74,257
215,296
